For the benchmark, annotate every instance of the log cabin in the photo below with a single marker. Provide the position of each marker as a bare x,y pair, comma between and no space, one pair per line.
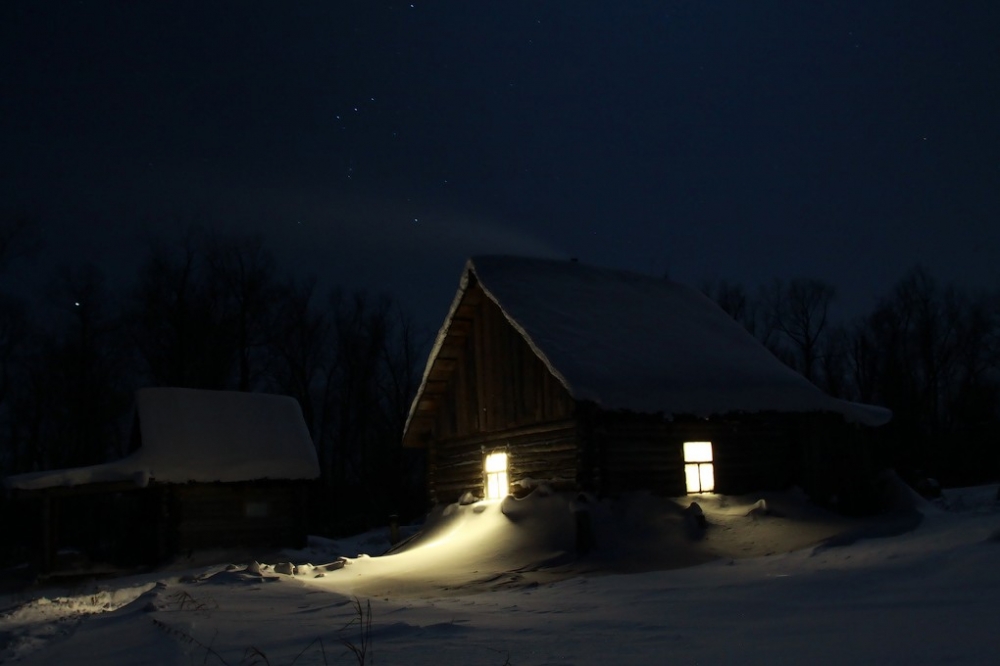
206,469
605,381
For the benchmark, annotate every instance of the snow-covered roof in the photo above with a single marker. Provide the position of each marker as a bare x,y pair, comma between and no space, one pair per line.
202,436
632,342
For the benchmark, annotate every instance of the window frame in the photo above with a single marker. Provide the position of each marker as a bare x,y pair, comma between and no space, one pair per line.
695,460
500,478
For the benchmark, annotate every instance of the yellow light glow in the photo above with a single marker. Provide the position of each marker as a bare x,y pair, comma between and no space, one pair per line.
697,452
496,462
691,478
497,485
706,472
699,477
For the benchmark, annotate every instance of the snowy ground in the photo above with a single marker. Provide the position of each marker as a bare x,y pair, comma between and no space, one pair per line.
491,583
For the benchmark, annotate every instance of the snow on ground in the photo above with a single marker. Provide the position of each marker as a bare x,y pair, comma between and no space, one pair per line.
491,583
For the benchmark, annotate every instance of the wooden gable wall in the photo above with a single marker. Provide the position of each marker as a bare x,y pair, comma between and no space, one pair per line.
495,394
496,381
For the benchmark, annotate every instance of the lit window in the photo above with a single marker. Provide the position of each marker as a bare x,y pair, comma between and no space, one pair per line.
495,467
698,470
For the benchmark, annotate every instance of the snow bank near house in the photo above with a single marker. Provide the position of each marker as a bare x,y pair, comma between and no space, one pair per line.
547,536
462,545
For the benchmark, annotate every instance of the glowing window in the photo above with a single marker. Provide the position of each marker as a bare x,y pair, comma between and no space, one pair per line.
699,472
495,469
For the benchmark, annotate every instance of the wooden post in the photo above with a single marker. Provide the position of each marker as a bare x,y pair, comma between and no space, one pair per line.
48,554
393,530
583,524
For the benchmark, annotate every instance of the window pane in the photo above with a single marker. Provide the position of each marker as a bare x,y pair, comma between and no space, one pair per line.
699,477
692,478
707,473
496,462
697,452
496,485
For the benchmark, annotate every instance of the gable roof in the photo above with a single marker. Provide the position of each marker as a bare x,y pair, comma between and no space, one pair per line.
632,342
202,436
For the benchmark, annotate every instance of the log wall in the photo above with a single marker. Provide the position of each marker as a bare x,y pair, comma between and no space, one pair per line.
487,390
495,381
546,452
637,452
208,515
497,394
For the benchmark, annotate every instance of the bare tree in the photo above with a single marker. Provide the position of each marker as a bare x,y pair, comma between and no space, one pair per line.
360,330
366,382
14,329
863,364
974,399
833,376
76,394
919,327
15,340
770,302
178,331
301,349
929,354
799,311
734,299
241,274
806,315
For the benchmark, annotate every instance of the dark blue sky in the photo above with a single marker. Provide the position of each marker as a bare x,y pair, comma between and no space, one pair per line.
379,144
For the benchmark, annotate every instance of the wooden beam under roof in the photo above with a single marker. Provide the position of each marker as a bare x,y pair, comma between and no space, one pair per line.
460,326
442,369
435,386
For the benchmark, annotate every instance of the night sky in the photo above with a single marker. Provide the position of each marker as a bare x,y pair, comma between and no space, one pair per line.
379,144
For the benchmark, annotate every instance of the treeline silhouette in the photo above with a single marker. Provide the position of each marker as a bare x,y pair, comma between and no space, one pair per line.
212,312
929,352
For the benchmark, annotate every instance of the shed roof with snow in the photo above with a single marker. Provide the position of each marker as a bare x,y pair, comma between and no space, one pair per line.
190,435
632,342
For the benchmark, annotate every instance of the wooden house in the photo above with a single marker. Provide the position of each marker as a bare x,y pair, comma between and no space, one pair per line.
605,381
207,469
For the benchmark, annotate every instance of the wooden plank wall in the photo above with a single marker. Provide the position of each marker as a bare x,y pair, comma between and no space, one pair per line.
207,515
546,452
638,452
497,381
499,394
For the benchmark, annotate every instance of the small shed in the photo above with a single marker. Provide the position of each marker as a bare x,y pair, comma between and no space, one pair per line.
206,469
600,380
